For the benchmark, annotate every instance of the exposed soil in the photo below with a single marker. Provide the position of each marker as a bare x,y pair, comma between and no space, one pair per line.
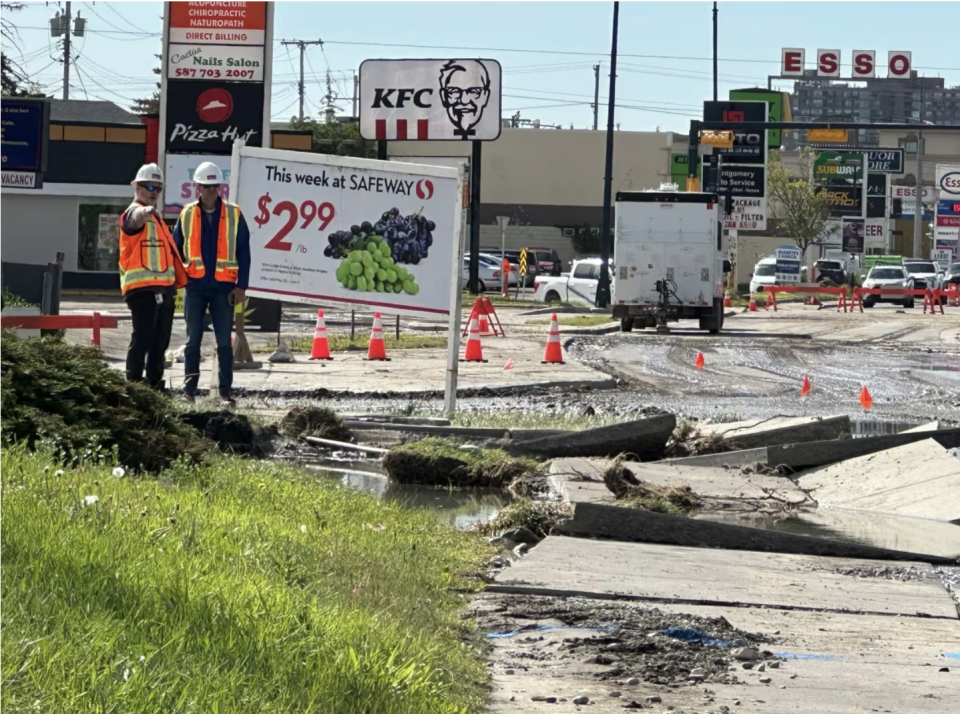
655,646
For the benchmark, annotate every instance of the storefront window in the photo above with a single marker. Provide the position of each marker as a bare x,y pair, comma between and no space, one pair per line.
99,234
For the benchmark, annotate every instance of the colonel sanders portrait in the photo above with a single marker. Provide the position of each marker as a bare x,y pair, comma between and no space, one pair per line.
464,93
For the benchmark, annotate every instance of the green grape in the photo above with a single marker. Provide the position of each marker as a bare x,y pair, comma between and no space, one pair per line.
397,287
366,258
410,287
356,269
385,250
352,283
372,247
378,286
391,275
381,275
370,273
355,256
361,283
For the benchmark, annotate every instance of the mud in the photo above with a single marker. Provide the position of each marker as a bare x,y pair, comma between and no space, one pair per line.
655,646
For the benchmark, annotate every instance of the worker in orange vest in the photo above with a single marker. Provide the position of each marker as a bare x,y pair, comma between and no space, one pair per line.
214,241
150,273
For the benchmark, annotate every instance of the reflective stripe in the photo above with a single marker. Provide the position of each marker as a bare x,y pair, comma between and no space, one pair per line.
229,261
150,261
227,229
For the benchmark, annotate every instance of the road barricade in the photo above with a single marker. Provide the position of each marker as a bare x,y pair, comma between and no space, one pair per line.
772,290
931,298
95,322
952,296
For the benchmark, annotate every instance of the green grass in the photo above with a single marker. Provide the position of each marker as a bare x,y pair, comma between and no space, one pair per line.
341,342
539,516
237,587
506,419
577,320
436,461
499,299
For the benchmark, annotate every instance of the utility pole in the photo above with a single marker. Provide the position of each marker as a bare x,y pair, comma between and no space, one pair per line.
596,95
356,96
918,208
714,50
66,54
302,45
603,286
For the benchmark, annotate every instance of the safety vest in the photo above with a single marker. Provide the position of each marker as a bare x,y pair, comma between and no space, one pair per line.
227,270
148,258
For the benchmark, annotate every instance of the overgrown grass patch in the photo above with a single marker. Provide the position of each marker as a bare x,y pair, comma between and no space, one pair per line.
527,419
66,394
538,516
634,493
314,421
576,320
441,462
235,587
341,342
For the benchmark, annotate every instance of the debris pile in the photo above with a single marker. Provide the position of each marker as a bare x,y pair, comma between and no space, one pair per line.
441,462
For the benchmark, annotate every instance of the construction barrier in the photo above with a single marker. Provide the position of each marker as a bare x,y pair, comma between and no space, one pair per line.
95,322
772,290
489,321
931,298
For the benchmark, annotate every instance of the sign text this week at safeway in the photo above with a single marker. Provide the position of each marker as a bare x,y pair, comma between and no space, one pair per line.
423,188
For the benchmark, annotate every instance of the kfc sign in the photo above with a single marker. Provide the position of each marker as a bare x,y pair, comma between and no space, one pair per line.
828,63
430,100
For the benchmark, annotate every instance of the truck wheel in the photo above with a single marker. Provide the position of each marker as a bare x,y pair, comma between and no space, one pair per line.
552,296
714,321
626,324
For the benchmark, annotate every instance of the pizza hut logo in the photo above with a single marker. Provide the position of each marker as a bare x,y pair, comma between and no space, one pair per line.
214,105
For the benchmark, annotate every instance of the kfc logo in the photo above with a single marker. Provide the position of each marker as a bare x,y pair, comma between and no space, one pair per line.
464,93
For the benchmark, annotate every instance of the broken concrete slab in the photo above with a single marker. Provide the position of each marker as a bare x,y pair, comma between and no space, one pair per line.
823,453
919,479
578,567
645,438
929,426
581,480
828,663
633,525
742,457
781,430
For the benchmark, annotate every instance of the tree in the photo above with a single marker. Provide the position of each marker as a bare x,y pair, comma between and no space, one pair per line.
149,105
14,80
798,205
337,138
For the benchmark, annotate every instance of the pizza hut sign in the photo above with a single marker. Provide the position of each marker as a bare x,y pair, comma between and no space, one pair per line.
863,63
206,117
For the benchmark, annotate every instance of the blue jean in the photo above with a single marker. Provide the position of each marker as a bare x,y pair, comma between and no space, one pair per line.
200,296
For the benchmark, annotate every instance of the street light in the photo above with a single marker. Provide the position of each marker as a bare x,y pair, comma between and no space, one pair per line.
503,222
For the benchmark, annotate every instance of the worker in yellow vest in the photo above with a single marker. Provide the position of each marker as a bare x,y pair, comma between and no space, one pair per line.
150,273
214,242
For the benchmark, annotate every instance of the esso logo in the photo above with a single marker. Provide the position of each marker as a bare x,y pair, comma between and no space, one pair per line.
424,189
214,105
951,182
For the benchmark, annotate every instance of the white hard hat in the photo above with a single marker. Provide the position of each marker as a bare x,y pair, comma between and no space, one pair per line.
148,173
208,173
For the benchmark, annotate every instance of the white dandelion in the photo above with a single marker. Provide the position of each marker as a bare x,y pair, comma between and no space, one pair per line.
90,500
118,472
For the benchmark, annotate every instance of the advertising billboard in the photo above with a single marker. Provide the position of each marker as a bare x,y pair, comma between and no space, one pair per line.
430,100
207,117
218,23
24,141
778,108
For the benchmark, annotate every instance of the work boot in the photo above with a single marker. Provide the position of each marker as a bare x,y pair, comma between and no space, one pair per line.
190,398
226,400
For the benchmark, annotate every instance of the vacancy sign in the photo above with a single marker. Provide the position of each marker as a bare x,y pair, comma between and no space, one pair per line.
219,23
828,63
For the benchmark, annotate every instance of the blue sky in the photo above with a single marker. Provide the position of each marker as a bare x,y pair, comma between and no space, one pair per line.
665,48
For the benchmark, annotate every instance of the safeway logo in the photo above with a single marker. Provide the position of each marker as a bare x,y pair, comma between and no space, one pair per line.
950,183
424,189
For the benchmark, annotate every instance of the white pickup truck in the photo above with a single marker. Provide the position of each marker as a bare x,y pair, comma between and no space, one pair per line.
577,286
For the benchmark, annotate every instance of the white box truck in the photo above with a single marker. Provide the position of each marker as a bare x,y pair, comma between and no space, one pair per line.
669,264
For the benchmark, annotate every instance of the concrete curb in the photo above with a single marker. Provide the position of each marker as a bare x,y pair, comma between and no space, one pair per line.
632,525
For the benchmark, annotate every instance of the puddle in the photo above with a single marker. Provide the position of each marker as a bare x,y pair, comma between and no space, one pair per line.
461,508
911,535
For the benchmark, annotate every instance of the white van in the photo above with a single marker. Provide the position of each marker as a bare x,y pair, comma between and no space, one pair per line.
764,273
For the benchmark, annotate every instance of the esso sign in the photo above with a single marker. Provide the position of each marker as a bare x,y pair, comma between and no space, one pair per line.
829,63
950,183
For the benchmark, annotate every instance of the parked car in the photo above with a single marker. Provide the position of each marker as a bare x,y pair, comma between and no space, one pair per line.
496,262
952,276
514,257
888,276
489,275
832,270
578,286
925,274
764,273
547,259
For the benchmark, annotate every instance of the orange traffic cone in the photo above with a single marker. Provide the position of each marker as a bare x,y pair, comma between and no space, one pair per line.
508,365
866,401
805,387
321,348
752,307
474,351
484,326
377,351
727,302
699,362
553,354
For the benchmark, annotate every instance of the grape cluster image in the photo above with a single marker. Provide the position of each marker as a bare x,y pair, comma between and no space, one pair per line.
371,267
408,238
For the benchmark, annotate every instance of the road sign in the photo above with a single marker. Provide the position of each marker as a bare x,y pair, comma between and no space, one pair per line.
787,270
523,261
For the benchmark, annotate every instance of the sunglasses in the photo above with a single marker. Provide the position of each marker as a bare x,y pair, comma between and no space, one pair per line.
151,187
214,186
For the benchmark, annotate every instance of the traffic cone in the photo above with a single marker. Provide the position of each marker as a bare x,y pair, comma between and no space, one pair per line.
321,348
377,351
752,307
727,302
484,326
474,351
508,365
805,387
866,401
699,362
553,354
